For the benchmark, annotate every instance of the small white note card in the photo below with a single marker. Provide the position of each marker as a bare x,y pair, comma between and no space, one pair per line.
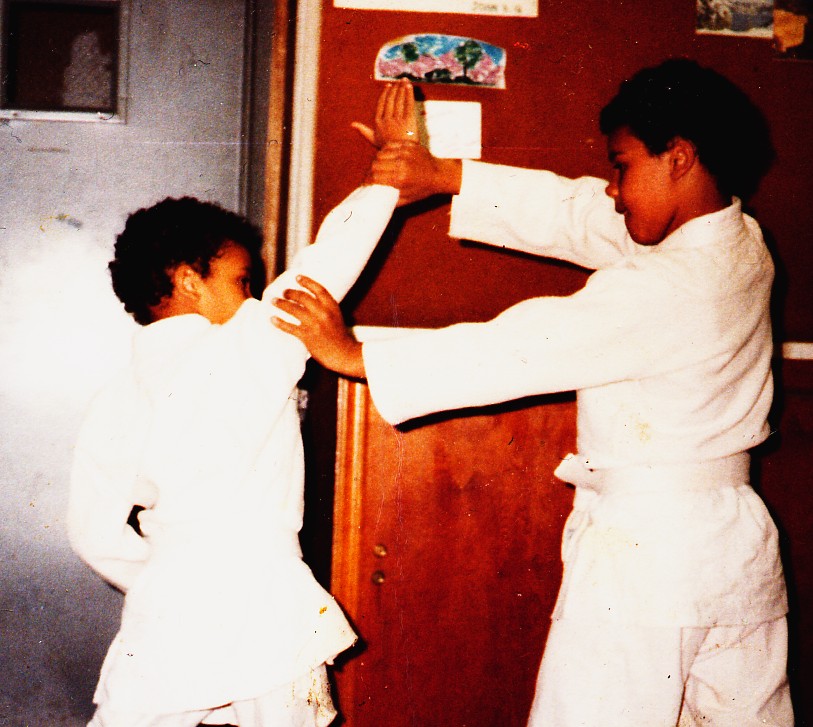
506,8
453,128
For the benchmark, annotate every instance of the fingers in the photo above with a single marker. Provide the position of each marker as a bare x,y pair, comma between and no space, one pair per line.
405,100
398,149
392,101
395,113
295,314
385,173
399,95
365,131
398,163
283,325
293,300
382,106
312,294
316,288
307,306
398,155
395,103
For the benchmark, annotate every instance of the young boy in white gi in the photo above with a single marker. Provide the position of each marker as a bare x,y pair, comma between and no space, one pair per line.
672,606
222,621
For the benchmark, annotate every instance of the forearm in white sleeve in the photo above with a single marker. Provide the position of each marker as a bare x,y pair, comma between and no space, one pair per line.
615,328
464,365
541,213
97,525
346,239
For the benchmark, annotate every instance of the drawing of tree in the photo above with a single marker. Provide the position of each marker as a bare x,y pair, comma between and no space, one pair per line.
410,52
468,53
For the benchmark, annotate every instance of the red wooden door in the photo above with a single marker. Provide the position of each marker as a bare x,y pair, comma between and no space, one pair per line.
446,557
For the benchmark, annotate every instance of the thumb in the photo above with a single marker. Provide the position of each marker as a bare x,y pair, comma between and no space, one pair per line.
365,131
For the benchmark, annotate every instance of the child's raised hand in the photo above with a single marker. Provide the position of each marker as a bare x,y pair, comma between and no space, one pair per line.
321,327
395,118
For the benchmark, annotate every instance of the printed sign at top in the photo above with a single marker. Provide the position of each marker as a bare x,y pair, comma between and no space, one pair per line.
513,8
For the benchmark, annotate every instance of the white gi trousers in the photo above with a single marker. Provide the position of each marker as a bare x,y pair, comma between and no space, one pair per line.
671,611
630,676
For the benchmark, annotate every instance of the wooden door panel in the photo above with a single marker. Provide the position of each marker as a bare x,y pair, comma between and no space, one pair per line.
446,557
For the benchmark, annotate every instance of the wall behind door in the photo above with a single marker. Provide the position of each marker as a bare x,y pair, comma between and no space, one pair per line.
66,189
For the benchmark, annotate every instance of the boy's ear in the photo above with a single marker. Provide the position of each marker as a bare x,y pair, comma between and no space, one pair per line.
682,156
186,282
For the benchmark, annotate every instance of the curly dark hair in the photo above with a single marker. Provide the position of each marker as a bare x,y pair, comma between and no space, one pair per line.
157,239
680,98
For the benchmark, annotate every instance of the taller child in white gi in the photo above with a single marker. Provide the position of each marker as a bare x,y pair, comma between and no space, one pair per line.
203,432
672,606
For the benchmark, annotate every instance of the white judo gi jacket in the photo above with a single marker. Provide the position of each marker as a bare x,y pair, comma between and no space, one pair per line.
203,430
669,349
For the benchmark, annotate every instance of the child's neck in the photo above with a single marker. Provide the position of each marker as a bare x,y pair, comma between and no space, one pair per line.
702,197
172,306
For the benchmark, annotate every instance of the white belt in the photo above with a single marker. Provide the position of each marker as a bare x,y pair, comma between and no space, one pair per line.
182,537
729,471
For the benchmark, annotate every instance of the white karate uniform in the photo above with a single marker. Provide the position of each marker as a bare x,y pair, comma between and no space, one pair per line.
203,430
669,349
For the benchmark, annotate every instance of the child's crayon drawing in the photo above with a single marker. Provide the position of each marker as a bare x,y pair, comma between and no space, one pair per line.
436,58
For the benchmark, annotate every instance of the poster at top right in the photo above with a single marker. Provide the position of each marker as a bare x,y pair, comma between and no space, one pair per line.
793,29
751,18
